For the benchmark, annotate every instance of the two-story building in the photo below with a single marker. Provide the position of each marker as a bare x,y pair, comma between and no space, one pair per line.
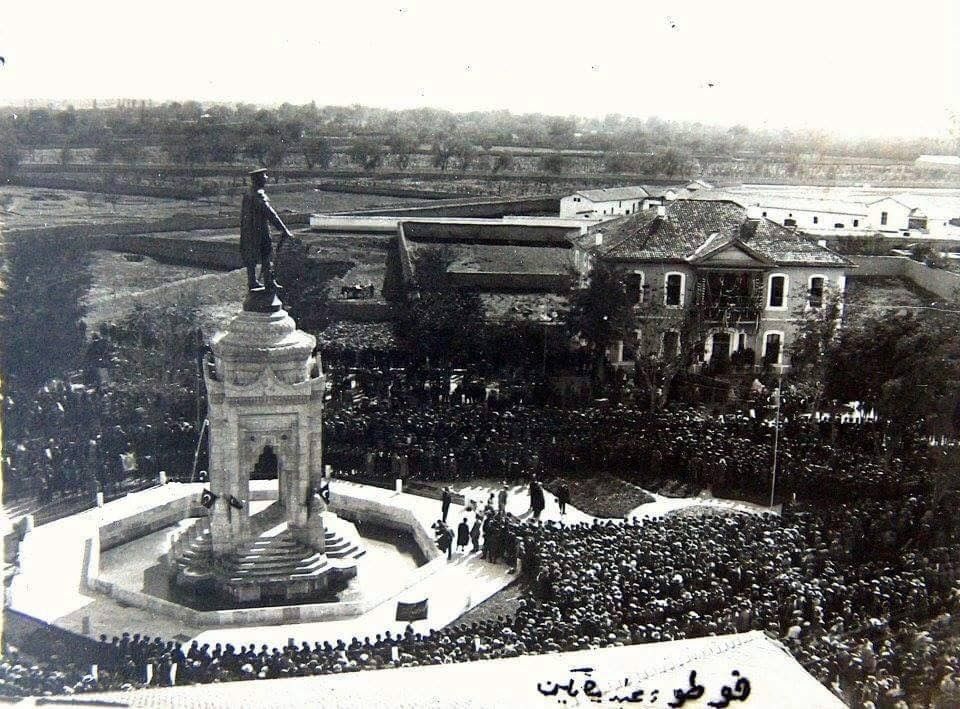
747,278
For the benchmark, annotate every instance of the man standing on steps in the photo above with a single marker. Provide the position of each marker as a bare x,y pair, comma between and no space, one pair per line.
255,244
445,501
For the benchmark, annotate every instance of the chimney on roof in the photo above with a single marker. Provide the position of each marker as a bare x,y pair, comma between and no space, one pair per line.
749,227
661,211
598,238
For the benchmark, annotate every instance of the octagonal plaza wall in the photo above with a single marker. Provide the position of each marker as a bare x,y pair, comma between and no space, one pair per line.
60,560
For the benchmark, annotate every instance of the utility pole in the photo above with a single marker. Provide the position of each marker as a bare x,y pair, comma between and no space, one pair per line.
776,437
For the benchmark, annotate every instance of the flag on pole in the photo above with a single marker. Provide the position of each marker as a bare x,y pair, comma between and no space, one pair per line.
207,498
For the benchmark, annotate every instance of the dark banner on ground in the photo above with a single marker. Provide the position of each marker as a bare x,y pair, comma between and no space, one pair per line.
412,611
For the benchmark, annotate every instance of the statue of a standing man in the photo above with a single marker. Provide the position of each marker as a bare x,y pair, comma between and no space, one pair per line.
255,243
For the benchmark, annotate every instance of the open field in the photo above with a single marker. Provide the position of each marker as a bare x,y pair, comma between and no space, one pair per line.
120,285
115,275
312,200
32,207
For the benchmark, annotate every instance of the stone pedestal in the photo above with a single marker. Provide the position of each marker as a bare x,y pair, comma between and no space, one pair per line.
265,390
265,393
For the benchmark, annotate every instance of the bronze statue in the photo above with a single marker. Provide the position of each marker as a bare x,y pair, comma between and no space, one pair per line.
255,243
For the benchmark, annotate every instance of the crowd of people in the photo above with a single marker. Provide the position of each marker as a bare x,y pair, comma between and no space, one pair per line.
728,453
857,577
871,628
75,438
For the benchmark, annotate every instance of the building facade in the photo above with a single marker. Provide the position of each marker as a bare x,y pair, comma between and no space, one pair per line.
746,279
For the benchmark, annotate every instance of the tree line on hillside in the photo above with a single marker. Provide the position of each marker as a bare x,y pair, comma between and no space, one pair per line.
194,133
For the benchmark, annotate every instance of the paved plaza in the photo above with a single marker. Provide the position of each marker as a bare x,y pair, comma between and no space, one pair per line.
49,585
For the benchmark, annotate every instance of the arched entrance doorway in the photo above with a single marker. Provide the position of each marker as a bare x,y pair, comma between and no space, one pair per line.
267,465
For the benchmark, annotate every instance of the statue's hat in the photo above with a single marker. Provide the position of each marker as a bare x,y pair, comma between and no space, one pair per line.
258,171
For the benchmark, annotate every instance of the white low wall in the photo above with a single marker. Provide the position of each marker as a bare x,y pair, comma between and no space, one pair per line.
352,507
361,509
943,284
127,529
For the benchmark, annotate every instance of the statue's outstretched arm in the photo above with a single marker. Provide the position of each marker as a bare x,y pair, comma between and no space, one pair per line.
274,218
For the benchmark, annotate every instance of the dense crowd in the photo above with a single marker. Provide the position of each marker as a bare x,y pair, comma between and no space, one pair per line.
729,453
79,437
73,438
857,577
871,628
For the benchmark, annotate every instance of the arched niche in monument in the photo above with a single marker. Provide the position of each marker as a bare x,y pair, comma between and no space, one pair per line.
267,465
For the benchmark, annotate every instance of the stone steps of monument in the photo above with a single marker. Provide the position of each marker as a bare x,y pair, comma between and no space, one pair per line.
275,559
277,574
278,562
284,543
277,567
342,548
272,553
278,578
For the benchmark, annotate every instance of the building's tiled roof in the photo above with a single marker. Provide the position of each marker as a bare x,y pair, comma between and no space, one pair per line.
691,222
805,204
610,194
469,258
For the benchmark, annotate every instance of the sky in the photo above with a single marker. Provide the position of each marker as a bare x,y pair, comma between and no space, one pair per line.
858,69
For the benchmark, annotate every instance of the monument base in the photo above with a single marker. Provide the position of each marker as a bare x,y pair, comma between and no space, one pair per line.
262,300
275,566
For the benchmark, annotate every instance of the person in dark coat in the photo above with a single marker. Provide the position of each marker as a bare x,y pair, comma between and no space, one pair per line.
537,500
256,216
563,497
475,534
445,501
448,541
463,534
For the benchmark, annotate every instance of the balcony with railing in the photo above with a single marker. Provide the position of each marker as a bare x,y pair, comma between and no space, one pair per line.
729,298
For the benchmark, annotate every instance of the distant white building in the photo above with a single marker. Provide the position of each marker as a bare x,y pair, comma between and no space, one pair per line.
608,202
660,194
814,216
938,161
889,214
832,217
